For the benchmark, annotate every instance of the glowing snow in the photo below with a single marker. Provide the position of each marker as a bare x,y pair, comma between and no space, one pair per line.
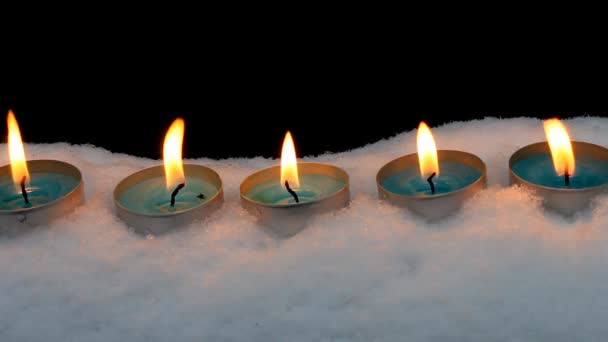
501,270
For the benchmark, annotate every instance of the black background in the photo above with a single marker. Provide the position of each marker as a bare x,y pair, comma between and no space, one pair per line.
222,123
241,76
240,90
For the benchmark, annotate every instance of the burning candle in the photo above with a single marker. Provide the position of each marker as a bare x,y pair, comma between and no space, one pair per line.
36,191
159,198
284,196
432,183
566,174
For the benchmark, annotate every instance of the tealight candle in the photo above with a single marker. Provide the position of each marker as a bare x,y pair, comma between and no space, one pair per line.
160,198
34,192
565,174
285,196
431,183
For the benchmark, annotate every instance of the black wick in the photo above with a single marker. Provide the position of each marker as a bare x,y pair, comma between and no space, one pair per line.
293,193
566,176
430,180
174,193
23,192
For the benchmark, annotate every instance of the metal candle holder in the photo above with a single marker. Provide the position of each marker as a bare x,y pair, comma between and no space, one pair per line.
564,201
161,223
432,207
44,213
285,220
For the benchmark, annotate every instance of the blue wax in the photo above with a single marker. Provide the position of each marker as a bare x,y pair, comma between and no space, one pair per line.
44,187
312,187
538,169
452,176
152,197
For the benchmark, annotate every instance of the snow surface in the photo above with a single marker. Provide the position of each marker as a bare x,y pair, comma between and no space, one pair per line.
500,270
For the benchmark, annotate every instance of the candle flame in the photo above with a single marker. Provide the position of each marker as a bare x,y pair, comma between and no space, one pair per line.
289,164
15,152
561,147
427,151
172,154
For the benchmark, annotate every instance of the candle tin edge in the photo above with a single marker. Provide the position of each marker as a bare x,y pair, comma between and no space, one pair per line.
162,223
434,207
47,212
286,220
564,201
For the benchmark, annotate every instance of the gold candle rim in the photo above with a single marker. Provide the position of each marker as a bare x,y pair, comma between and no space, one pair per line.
42,165
438,206
543,147
286,220
160,223
394,166
274,171
152,172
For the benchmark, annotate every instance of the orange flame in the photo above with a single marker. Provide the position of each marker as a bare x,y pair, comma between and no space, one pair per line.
289,164
427,151
561,147
172,154
15,151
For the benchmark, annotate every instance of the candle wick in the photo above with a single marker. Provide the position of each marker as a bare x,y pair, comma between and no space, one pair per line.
430,180
293,193
174,193
23,191
566,174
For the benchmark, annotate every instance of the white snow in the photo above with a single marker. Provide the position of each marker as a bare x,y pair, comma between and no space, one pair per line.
500,270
